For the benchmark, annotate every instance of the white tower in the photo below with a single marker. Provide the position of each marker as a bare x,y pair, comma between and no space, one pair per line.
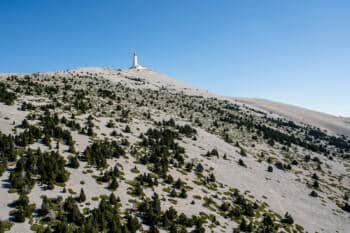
135,64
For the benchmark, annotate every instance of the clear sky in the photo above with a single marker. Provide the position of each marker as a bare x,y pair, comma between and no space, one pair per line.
296,52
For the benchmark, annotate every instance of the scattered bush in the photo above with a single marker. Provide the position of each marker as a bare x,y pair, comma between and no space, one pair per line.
287,219
241,163
313,193
270,168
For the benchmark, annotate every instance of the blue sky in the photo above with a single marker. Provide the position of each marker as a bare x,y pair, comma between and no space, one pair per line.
296,52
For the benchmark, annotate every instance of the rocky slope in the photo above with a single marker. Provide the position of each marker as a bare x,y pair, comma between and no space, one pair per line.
175,158
335,125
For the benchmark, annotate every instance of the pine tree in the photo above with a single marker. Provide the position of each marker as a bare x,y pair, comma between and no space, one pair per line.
173,193
71,148
155,203
57,145
132,224
45,206
199,168
199,228
73,162
114,184
183,193
112,199
138,189
47,141
315,184
127,129
243,225
82,196
241,163
153,229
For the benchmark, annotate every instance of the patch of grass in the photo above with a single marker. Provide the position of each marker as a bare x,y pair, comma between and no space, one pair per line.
172,201
6,225
135,170
37,228
12,190
86,211
71,191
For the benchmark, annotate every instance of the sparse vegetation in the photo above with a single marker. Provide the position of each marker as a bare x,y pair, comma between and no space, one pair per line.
182,161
